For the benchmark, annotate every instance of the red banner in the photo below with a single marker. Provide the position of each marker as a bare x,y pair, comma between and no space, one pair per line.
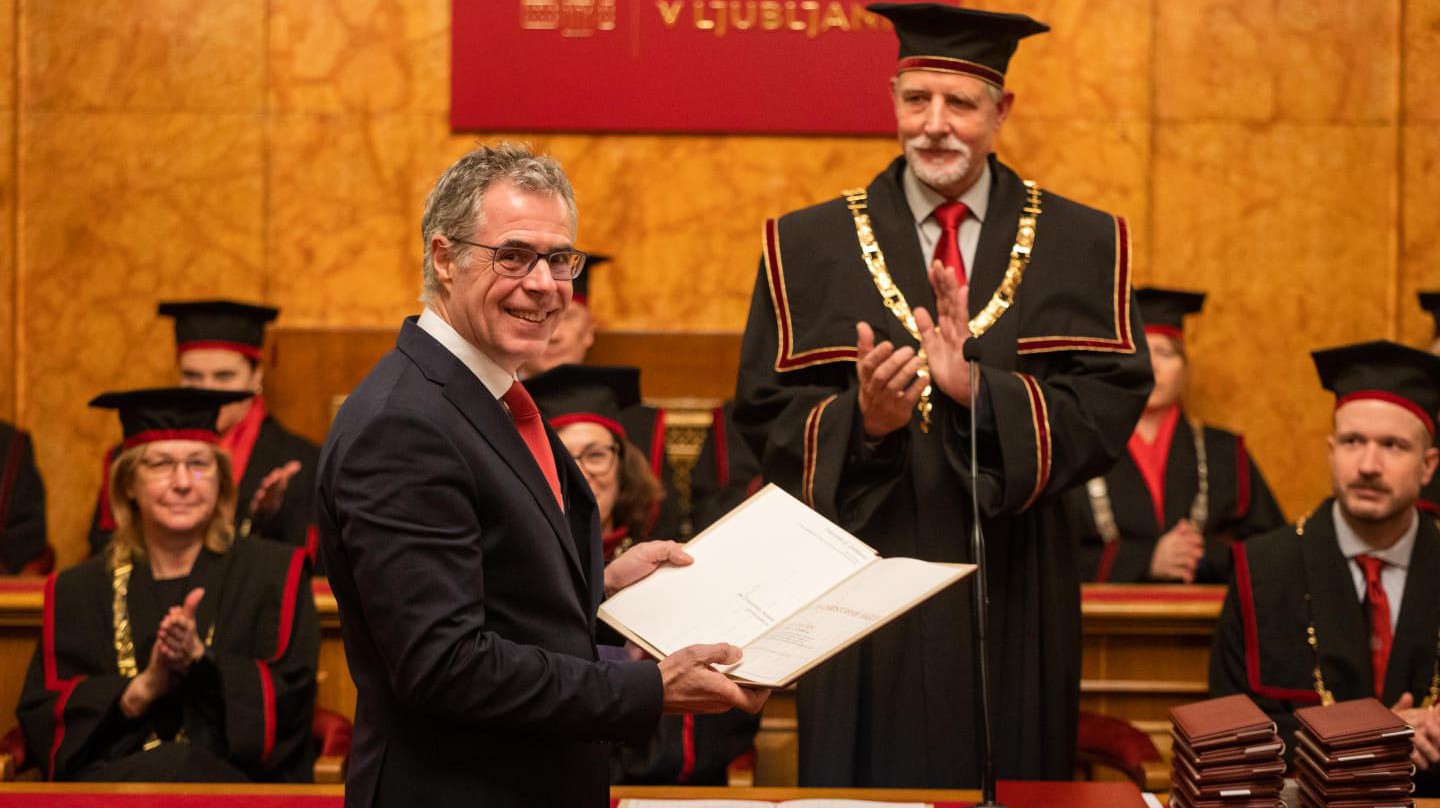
749,66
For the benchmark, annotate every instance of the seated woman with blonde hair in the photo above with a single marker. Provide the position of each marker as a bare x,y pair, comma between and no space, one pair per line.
180,654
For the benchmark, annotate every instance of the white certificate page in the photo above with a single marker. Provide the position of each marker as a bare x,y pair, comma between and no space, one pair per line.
753,569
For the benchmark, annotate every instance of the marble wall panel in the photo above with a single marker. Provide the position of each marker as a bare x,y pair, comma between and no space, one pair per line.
370,56
1101,164
1420,221
1420,40
111,226
1290,229
166,55
1081,69
1276,60
8,49
9,393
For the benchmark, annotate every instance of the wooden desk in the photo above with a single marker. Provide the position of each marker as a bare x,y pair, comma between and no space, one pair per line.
1146,649
155,795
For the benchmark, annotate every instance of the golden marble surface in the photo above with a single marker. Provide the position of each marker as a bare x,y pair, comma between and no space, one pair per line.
1420,221
1290,230
1281,60
1420,39
281,150
154,55
110,226
1083,69
361,56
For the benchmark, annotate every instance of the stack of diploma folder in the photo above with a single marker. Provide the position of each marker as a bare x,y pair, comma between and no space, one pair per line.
1226,755
1353,754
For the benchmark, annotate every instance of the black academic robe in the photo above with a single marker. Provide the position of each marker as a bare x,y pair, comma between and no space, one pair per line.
293,522
691,750
1260,646
22,502
1430,496
1064,382
726,472
645,428
245,708
1240,506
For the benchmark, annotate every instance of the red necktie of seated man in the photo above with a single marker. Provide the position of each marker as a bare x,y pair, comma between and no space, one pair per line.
947,248
527,422
1378,604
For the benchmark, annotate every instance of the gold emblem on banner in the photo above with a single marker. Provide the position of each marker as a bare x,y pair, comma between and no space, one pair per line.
577,18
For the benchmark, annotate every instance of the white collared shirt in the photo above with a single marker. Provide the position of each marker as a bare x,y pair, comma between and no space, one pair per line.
495,378
1396,558
923,201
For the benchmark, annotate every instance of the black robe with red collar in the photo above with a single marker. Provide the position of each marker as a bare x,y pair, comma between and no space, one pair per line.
1240,506
1064,380
22,502
1260,646
244,710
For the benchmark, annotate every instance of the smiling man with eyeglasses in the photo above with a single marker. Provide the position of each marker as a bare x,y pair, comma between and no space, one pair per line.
463,542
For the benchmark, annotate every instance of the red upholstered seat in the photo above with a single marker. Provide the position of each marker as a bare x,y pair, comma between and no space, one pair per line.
1104,740
44,565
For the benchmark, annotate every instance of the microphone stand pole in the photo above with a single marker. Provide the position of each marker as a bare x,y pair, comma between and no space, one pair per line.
982,604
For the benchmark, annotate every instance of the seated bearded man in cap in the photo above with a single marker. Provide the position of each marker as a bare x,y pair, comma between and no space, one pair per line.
1357,573
858,401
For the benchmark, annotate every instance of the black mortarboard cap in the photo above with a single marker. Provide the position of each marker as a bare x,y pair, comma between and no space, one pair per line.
593,393
1383,370
582,283
941,37
224,324
168,413
1430,302
1163,310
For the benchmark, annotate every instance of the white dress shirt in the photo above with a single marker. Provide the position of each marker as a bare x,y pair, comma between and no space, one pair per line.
923,201
495,378
1396,558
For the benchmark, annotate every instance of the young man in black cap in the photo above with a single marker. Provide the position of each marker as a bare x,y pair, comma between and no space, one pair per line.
219,346
1343,605
1183,491
846,413
22,505
1430,303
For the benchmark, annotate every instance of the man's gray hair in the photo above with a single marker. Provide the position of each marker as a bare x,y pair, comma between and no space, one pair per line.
454,206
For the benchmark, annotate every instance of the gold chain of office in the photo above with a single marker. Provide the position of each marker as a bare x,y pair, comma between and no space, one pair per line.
858,201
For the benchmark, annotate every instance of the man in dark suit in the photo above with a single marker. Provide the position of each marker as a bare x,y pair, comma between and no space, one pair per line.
463,543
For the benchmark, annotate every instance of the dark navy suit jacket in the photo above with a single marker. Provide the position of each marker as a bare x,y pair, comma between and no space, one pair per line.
467,599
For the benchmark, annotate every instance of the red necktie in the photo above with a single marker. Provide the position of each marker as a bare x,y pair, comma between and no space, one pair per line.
527,422
947,248
1379,607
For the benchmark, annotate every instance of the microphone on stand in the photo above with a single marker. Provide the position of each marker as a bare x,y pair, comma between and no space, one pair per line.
982,604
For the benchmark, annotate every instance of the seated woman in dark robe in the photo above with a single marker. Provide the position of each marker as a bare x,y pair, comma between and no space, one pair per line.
582,403
180,654
1170,508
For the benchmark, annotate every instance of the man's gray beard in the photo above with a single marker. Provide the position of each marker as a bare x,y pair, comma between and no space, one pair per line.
946,177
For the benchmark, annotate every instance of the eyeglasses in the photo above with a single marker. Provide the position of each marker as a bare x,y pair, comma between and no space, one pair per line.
598,460
516,262
198,468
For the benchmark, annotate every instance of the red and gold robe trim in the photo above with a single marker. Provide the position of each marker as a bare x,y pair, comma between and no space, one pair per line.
812,449
1040,419
61,687
948,64
1124,340
1252,638
785,357
298,558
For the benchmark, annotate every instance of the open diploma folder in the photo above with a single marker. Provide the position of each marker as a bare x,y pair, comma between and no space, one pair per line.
780,581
